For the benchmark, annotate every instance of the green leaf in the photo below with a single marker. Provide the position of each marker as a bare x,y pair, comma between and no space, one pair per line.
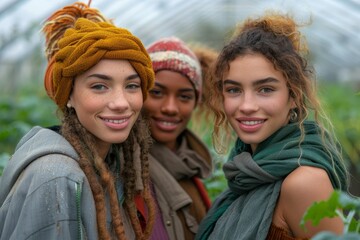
319,210
338,203
354,226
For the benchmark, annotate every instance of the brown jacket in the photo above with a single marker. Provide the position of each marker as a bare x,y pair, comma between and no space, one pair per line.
179,194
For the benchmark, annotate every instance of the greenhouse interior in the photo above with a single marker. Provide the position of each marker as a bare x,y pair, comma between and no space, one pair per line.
330,27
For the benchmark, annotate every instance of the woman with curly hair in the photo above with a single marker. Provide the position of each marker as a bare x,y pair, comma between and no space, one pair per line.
282,161
79,181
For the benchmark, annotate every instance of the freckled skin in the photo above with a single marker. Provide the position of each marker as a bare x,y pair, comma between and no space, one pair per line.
109,91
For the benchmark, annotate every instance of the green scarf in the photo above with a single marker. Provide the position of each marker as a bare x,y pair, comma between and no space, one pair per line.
245,210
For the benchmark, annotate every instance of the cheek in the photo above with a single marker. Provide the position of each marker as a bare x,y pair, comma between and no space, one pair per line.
187,110
278,108
136,102
86,102
230,106
150,105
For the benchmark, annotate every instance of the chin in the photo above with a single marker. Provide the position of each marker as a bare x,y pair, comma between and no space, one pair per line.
164,138
119,139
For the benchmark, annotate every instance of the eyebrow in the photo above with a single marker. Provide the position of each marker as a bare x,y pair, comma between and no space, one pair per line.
106,77
256,83
182,89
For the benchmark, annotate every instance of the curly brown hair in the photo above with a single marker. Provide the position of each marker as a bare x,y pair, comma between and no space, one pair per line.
206,56
276,37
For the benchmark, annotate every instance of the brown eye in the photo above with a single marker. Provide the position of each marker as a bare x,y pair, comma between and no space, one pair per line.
186,97
155,92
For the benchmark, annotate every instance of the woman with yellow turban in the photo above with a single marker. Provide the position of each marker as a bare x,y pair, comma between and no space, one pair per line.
79,181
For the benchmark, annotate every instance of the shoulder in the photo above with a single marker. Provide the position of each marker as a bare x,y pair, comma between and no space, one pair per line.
52,172
53,166
300,189
305,185
41,155
54,176
46,195
306,179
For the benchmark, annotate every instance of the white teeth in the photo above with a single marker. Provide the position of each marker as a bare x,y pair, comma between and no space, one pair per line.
251,122
168,123
115,121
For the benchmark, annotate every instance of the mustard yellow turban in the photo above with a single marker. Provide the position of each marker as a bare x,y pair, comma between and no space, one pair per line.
84,46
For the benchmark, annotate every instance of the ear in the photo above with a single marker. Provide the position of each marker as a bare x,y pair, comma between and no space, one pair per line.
293,104
69,103
292,101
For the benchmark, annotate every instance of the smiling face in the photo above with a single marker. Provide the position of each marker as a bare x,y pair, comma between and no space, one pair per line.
256,98
169,106
107,99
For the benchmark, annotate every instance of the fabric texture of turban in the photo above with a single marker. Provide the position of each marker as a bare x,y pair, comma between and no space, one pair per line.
172,54
83,46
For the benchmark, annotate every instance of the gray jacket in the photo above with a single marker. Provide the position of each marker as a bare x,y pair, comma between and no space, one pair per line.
44,194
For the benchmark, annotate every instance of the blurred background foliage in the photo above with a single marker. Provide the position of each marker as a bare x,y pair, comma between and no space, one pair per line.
332,34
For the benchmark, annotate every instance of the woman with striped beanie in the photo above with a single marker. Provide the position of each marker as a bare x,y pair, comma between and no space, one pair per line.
79,180
178,158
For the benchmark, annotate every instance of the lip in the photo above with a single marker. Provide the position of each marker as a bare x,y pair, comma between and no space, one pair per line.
250,125
116,122
166,124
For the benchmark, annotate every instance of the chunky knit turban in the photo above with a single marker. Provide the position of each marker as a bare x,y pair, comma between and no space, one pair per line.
84,46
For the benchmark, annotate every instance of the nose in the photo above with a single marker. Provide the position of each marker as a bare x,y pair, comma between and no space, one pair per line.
118,101
248,103
170,106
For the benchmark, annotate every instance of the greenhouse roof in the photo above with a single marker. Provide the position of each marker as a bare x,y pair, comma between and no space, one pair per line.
333,34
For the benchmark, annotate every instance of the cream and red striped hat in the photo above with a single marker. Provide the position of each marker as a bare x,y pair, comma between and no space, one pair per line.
171,53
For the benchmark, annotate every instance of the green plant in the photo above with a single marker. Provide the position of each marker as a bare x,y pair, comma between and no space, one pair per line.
216,183
340,204
341,103
4,157
19,113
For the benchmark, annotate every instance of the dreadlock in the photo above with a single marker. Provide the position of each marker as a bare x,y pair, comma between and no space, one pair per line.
101,176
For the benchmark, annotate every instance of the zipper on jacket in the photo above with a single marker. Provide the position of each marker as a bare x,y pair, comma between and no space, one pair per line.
78,209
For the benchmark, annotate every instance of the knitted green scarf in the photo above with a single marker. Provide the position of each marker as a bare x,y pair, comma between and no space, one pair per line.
245,210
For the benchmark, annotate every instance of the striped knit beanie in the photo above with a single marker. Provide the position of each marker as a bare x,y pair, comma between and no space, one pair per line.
172,54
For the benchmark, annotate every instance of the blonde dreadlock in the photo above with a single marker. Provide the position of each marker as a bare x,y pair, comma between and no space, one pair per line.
55,26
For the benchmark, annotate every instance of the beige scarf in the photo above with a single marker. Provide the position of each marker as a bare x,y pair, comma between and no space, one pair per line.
184,163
